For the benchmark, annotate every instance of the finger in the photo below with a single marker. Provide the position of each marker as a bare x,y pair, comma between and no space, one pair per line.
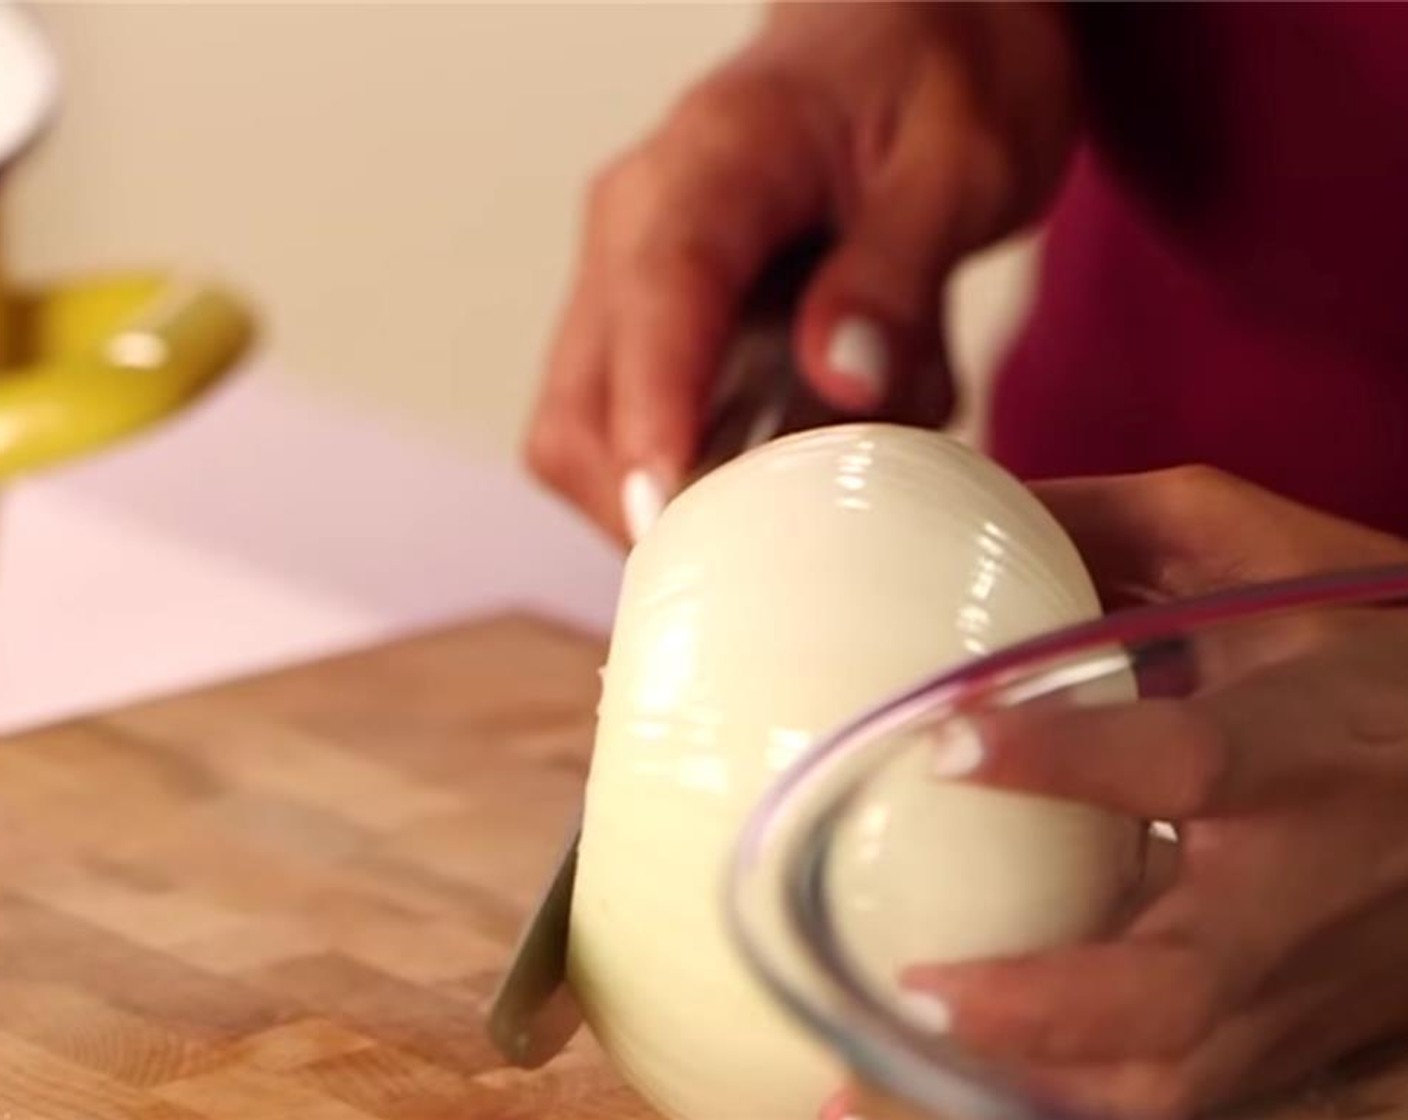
1327,1003
1129,530
695,217
1153,759
668,324
1286,731
578,467
1081,1003
1360,989
871,320
839,1107
1249,1053
1192,530
567,441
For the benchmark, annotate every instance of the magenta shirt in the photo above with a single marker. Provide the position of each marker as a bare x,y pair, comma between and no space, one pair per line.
1225,277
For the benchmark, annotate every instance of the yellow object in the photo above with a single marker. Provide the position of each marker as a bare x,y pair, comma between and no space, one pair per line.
91,363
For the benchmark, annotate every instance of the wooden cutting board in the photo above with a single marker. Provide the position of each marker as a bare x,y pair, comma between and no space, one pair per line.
288,898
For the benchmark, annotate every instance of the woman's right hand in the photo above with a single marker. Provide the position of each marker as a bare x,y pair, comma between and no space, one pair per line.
914,133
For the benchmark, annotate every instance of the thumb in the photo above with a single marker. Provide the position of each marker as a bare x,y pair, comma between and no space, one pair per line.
870,322
1159,535
1191,530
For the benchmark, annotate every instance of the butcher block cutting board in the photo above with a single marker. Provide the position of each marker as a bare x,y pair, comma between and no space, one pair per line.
288,898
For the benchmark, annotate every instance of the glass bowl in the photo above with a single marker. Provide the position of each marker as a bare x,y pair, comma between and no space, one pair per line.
814,929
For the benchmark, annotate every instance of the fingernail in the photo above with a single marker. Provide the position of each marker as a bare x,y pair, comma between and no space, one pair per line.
927,1011
642,501
958,751
857,351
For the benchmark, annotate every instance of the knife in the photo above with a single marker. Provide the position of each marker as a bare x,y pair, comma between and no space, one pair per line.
759,395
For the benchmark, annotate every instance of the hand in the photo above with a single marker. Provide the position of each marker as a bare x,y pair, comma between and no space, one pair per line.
1281,941
915,132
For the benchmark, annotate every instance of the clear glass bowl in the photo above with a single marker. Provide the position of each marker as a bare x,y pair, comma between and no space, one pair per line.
791,898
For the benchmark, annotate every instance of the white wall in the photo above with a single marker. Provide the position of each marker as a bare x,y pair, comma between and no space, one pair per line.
395,183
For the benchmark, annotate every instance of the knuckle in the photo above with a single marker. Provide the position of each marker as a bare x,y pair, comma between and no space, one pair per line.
1058,1038
723,115
658,246
1194,505
622,185
549,453
1193,485
680,267
701,106
731,132
1162,1093
601,186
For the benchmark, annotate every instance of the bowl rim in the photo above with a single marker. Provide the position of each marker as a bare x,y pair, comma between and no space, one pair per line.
833,1004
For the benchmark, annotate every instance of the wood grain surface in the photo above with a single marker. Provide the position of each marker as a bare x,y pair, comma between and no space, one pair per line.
289,898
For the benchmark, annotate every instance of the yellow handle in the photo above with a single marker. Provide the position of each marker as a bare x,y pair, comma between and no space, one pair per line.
103,360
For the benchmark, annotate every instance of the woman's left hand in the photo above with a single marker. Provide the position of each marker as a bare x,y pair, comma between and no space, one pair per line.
1281,941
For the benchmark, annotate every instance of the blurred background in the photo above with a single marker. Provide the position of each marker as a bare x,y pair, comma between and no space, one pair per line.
395,188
